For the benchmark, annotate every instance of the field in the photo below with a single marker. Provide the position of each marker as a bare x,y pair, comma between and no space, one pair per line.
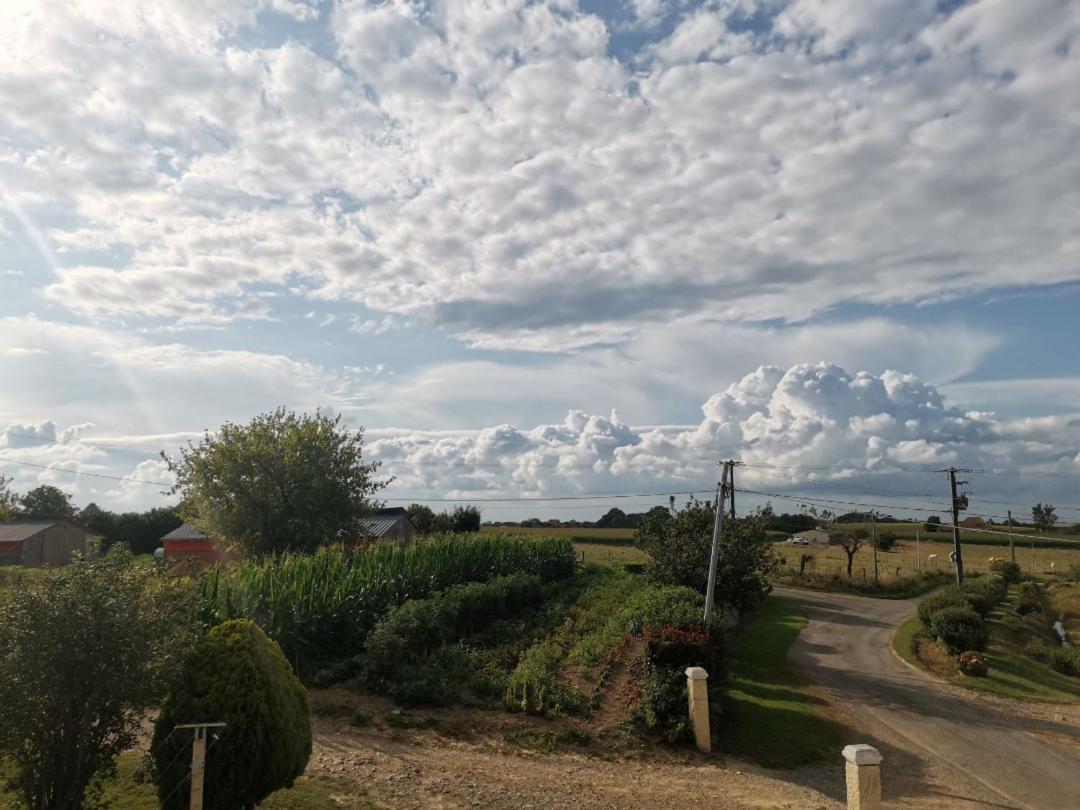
620,537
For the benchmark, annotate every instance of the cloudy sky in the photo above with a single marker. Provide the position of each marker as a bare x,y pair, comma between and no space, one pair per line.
545,249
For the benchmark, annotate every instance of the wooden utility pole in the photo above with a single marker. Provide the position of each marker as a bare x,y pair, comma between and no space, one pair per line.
1012,551
918,564
714,552
958,503
873,542
198,760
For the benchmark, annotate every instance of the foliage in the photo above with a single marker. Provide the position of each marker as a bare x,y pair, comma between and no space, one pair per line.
1074,571
1007,570
238,676
321,607
421,517
282,482
399,648
534,686
618,519
141,532
46,501
9,501
1065,660
985,593
850,542
669,650
82,652
1043,516
931,605
789,523
465,519
933,523
1030,599
679,542
959,629
974,664
886,540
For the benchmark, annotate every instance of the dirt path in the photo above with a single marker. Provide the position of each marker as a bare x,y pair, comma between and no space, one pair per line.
1000,754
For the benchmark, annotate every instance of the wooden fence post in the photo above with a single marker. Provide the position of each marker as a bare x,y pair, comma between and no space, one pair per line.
697,687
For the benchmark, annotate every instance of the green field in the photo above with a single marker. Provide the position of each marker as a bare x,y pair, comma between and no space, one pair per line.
620,537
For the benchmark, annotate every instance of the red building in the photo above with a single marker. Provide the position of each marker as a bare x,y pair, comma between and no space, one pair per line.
188,543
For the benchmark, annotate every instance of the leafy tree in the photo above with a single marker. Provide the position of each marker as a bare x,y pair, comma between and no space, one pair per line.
1043,516
83,652
850,542
886,540
613,519
47,501
441,524
9,501
281,482
237,676
421,516
465,519
679,545
933,523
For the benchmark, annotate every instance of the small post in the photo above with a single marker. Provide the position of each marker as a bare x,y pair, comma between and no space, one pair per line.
863,777
198,768
697,688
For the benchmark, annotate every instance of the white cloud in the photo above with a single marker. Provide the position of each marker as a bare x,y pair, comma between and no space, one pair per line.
490,168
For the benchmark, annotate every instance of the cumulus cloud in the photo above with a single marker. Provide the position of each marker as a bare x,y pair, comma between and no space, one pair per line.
511,173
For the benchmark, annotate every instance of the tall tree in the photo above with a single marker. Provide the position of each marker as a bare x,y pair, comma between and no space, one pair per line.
421,516
465,519
1043,516
283,481
48,502
850,542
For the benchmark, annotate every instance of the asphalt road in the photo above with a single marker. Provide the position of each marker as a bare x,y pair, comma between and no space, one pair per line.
846,651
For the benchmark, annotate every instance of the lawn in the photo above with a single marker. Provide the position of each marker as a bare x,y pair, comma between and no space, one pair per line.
772,718
1012,674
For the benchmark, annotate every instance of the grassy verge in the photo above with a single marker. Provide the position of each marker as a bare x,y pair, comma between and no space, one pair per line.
129,791
1012,674
906,588
772,717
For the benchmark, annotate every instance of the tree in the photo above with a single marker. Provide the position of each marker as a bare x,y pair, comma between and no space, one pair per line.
281,482
47,501
1043,516
933,523
422,517
83,652
679,545
613,519
237,676
886,540
850,542
465,519
9,501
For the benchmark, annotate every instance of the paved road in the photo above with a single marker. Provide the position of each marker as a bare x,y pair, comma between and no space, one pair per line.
846,650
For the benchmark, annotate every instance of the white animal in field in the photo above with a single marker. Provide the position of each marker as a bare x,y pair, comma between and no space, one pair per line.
932,559
1053,566
991,560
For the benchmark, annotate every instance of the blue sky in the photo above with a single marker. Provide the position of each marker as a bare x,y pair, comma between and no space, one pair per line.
456,223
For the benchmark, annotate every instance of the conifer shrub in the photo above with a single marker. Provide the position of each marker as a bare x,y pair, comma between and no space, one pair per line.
235,675
928,607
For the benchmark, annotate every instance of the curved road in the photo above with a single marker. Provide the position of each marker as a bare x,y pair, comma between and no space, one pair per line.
846,649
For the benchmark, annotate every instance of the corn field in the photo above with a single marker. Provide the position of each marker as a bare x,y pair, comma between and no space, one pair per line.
321,607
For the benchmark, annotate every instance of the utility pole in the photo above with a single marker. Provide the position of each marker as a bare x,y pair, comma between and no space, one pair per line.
918,565
198,760
958,503
1012,551
873,542
714,552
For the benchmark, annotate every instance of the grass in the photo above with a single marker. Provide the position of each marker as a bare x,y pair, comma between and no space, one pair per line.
600,536
129,791
772,718
1012,674
610,555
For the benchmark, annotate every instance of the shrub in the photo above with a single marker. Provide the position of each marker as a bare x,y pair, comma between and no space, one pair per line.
669,650
322,606
1074,571
985,593
1030,599
974,664
1065,660
1008,571
534,685
931,605
959,629
1038,649
84,651
238,676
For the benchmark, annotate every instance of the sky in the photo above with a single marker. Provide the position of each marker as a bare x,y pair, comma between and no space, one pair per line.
547,250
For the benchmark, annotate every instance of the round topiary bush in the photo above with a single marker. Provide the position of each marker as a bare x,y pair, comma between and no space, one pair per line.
985,593
974,664
959,629
1008,571
950,597
238,676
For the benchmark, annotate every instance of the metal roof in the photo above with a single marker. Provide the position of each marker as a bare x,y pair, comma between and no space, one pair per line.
23,530
185,532
380,525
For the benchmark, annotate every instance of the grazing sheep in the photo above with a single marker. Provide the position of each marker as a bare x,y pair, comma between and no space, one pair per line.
1053,565
932,559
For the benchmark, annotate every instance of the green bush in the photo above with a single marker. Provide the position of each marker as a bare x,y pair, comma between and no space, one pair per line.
1065,660
1008,571
669,650
959,629
928,607
1030,599
534,686
985,593
238,676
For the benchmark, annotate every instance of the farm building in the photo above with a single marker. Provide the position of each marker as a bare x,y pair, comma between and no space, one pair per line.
33,543
813,537
390,524
189,543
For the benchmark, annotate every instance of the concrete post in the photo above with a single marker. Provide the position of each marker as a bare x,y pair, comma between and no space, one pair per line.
697,687
863,777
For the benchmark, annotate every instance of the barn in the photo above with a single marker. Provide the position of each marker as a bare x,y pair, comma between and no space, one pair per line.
390,524
189,543
33,543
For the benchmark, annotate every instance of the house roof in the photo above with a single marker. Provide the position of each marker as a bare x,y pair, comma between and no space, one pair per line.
381,525
22,530
185,532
